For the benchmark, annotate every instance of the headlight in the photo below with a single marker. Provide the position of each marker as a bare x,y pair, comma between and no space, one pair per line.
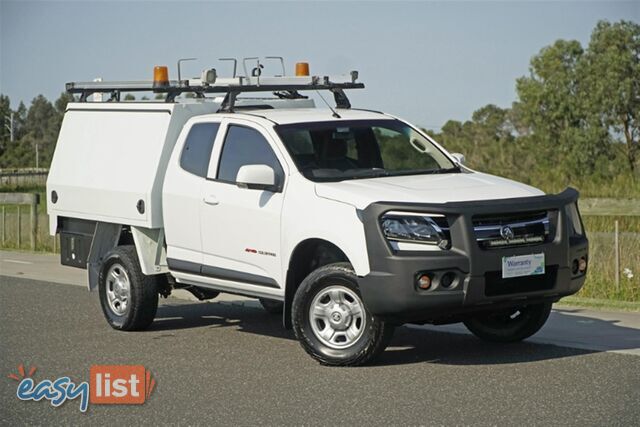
416,228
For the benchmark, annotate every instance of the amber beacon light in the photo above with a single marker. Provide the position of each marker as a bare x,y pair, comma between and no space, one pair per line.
302,69
160,76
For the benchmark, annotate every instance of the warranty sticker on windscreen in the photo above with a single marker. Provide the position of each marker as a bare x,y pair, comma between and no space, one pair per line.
522,265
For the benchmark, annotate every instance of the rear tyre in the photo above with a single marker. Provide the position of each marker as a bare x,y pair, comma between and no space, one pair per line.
510,325
129,298
272,306
331,321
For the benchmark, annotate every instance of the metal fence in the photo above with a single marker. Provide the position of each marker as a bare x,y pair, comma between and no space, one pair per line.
615,254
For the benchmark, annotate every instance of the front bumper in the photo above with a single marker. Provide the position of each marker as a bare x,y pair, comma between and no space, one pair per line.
390,290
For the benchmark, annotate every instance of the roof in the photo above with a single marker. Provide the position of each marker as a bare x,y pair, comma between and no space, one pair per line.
297,115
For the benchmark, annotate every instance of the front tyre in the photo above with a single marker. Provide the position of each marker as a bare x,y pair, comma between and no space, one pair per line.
129,298
331,321
510,325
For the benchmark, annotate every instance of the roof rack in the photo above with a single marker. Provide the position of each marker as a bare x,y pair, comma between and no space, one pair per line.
281,86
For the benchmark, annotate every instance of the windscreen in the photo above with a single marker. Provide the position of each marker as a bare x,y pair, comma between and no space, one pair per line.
341,150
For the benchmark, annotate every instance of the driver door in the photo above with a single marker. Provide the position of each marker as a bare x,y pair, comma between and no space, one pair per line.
241,226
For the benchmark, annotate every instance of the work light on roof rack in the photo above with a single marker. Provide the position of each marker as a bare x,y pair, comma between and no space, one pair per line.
210,82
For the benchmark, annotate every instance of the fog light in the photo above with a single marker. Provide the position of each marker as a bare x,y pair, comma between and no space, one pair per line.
582,264
424,281
447,280
574,266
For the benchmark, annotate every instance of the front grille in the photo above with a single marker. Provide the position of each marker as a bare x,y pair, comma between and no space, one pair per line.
495,285
497,231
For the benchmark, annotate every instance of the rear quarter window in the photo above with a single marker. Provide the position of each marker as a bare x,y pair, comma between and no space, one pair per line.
196,151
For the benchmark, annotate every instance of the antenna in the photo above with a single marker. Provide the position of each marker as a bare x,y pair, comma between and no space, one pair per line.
181,61
336,115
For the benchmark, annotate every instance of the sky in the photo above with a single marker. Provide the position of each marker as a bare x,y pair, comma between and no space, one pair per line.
427,62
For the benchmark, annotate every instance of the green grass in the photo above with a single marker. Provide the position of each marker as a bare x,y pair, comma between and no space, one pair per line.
607,223
620,186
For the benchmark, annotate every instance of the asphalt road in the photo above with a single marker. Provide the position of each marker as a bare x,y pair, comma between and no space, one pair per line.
232,364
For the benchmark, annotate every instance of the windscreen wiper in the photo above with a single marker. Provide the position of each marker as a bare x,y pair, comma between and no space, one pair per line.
369,173
454,169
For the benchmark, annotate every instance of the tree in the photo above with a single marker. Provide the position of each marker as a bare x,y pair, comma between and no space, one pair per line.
38,130
551,110
61,103
5,112
611,75
547,97
5,115
129,97
41,119
489,142
20,120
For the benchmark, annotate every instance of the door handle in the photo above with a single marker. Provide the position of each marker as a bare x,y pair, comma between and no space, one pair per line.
211,200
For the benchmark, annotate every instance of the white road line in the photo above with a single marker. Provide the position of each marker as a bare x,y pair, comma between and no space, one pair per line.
15,261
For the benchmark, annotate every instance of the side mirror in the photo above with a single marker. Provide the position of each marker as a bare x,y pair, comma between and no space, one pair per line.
257,177
459,158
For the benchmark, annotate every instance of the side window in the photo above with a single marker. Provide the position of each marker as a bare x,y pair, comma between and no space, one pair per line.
246,146
197,149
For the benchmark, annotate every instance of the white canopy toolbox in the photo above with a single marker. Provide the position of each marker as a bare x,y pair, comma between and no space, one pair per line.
110,160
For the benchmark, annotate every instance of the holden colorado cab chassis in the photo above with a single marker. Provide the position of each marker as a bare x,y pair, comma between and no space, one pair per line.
348,222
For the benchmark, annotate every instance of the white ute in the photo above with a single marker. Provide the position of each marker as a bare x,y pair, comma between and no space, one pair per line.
348,222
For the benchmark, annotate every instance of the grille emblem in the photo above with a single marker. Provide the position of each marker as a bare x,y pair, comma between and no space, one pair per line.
507,233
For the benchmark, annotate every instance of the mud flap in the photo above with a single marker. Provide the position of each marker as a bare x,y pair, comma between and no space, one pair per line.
105,238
